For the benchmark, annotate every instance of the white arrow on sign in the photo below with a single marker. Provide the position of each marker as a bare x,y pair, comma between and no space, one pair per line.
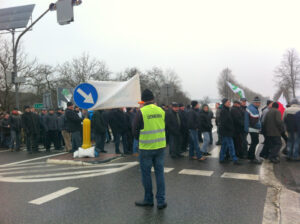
88,98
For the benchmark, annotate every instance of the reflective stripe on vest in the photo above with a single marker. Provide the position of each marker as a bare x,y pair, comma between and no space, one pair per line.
153,136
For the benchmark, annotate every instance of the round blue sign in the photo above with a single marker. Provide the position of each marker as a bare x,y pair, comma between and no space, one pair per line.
85,95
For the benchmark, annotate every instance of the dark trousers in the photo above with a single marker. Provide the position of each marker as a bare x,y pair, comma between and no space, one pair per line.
155,158
31,142
52,137
185,140
15,140
118,140
130,141
200,136
266,148
238,145
275,146
245,144
60,140
254,143
100,141
219,136
174,145
76,140
211,139
43,138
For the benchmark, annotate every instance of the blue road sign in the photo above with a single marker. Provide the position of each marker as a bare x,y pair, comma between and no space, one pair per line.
85,95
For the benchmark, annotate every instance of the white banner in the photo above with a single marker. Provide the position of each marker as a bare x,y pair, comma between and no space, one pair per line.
117,94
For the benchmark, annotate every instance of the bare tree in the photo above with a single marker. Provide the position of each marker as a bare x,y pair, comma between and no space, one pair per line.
287,74
82,69
224,90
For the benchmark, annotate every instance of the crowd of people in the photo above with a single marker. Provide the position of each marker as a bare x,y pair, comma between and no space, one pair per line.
186,127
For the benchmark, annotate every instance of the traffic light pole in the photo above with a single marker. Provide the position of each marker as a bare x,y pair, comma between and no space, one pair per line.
15,51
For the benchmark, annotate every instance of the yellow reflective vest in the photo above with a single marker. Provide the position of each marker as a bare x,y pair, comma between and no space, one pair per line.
153,136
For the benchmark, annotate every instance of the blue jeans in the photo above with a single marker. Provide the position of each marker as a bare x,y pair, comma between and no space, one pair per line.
227,144
135,146
194,144
206,141
100,141
293,145
147,159
124,141
15,140
76,140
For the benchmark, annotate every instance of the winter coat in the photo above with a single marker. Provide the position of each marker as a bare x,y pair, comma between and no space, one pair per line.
99,122
184,120
117,121
226,127
5,127
43,121
273,125
31,123
252,120
218,114
205,122
15,123
289,118
61,122
51,122
172,124
193,119
297,119
238,120
73,121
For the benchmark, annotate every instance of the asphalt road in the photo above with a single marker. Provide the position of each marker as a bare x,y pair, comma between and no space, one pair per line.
197,192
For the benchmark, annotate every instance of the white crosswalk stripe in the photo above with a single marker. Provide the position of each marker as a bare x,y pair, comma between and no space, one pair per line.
197,172
241,176
166,169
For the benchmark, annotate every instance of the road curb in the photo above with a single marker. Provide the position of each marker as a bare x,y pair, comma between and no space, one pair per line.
80,163
282,205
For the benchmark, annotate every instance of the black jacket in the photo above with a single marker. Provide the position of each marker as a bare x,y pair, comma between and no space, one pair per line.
184,120
5,126
51,122
118,121
205,122
31,123
15,123
238,120
99,122
193,119
73,121
172,124
226,123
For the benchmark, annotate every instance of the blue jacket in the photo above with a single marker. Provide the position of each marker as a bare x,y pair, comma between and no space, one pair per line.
252,119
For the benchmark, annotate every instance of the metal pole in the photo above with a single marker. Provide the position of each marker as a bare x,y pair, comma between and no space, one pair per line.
15,50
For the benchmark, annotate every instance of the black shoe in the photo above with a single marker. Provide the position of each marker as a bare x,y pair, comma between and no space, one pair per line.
238,163
162,206
275,161
104,151
207,154
180,156
143,204
218,143
223,161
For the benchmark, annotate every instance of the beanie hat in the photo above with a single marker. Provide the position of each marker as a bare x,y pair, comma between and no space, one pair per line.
269,102
26,107
256,100
224,100
147,95
243,99
194,103
174,104
69,104
275,105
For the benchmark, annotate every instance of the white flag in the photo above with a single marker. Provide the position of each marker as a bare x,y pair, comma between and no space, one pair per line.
236,90
117,94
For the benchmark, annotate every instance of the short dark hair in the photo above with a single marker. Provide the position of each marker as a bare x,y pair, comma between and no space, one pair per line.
275,105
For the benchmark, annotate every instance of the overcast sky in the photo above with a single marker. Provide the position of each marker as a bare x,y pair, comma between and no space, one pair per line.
195,38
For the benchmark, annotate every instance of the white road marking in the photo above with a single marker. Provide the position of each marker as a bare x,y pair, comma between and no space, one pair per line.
166,169
71,175
5,150
29,160
24,168
54,195
215,152
241,176
197,172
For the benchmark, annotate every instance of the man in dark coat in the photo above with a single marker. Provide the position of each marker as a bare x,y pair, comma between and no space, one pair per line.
5,126
99,125
36,122
205,128
31,129
117,122
184,127
274,126
218,111
227,132
15,130
51,130
238,123
73,122
173,124
43,133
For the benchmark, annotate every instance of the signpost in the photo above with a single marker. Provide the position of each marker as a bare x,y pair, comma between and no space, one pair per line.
38,106
85,96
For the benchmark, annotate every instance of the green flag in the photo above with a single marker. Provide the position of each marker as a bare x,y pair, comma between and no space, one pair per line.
236,90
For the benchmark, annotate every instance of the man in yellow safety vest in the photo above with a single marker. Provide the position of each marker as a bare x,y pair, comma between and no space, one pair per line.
149,128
